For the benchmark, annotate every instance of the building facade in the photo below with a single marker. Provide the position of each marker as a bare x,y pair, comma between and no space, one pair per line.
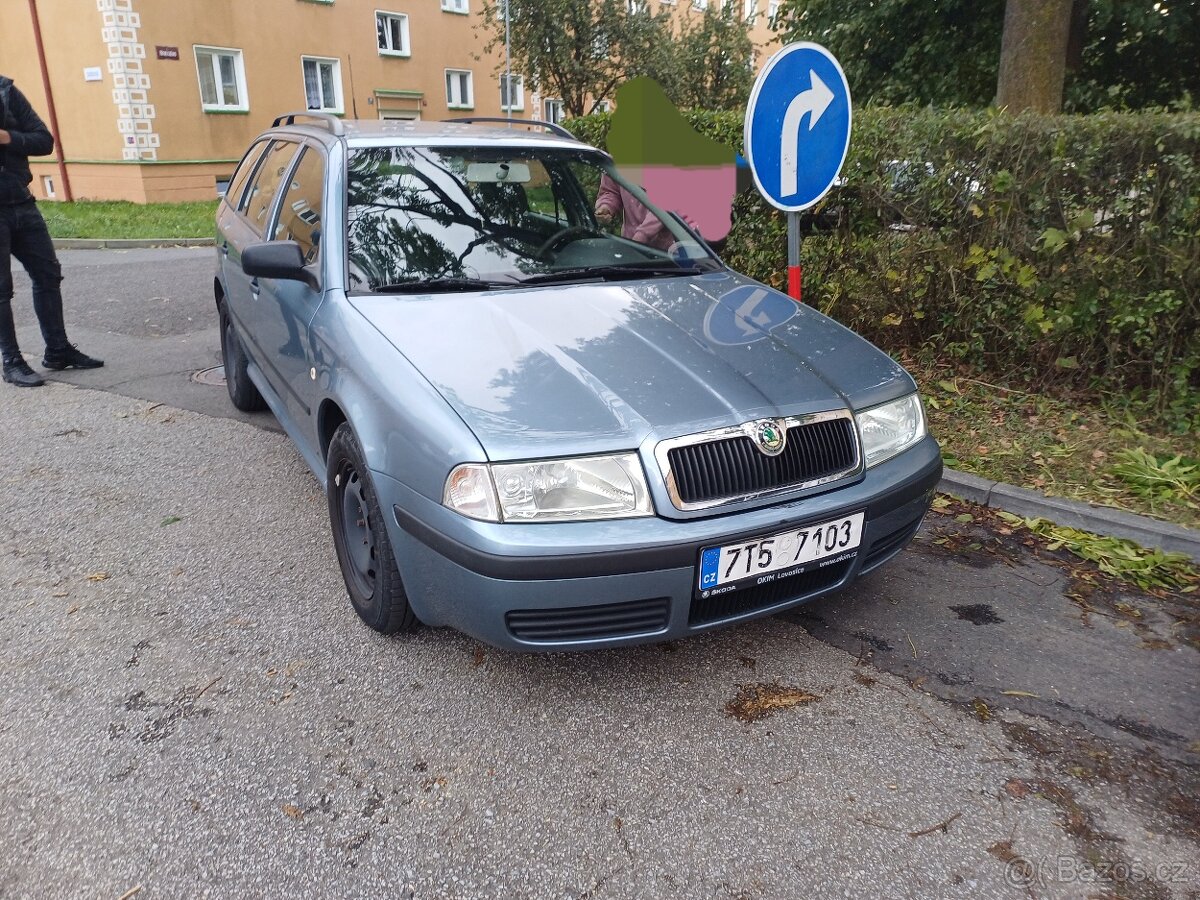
157,99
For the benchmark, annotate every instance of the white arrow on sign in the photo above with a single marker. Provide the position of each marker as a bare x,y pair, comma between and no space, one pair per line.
815,100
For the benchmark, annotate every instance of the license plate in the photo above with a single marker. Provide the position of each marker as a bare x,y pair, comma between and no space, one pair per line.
780,555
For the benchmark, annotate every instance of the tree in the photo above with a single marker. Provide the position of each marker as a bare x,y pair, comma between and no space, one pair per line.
711,58
580,50
1033,55
1124,53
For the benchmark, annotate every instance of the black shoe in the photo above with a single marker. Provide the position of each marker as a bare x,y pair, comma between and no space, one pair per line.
17,372
69,357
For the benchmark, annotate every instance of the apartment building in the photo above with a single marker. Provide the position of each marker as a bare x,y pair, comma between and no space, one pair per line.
157,99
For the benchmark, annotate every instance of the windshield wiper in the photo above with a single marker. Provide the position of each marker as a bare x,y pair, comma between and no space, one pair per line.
436,285
610,273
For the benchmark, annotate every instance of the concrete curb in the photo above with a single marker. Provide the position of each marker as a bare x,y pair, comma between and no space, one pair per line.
128,243
1084,516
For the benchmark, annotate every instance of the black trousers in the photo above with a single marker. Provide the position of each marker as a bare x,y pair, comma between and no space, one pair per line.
24,236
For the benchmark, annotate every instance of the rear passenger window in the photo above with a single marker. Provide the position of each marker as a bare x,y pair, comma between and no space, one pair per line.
266,184
237,184
300,212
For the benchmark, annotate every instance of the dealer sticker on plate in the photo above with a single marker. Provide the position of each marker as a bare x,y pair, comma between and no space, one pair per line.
778,556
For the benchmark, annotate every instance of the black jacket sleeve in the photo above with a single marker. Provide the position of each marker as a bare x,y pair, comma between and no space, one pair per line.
31,137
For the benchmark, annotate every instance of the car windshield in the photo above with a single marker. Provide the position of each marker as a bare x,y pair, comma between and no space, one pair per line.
450,217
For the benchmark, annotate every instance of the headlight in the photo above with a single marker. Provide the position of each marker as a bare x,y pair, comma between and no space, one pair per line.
890,428
555,490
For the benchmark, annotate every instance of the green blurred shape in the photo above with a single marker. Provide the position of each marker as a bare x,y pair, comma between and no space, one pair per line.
647,129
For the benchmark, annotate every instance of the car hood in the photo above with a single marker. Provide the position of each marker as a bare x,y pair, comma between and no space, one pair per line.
583,368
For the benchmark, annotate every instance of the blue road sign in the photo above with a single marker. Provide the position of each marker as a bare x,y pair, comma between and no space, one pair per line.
747,314
798,126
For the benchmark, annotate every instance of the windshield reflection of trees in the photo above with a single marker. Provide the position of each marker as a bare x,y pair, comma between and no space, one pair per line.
412,215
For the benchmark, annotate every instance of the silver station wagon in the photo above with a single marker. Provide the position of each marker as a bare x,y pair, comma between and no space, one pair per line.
533,423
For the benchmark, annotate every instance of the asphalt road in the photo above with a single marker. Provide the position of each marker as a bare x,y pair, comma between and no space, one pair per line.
188,705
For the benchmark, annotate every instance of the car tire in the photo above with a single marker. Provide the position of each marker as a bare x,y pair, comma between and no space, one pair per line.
360,538
242,392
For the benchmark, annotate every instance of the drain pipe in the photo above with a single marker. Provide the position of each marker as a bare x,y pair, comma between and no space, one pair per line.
58,150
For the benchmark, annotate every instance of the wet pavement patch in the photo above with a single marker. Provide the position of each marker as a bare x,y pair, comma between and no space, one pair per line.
977,614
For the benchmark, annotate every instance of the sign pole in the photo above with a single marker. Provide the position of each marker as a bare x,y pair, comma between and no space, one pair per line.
795,272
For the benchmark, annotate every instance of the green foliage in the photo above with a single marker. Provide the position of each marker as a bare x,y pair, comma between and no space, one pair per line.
1148,569
1160,477
1062,252
947,52
709,63
579,50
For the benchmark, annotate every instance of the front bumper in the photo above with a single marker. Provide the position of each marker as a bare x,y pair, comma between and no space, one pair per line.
584,585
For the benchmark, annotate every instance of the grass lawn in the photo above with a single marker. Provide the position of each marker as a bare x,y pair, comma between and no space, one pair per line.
121,219
1064,447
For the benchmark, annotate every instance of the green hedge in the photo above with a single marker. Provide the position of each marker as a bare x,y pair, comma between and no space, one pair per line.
1060,251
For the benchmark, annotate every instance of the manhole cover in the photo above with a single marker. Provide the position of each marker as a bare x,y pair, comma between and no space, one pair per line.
214,376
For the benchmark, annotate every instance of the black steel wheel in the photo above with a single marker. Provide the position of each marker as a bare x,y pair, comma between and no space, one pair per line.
242,392
360,538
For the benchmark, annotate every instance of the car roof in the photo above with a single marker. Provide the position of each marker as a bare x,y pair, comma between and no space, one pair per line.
390,133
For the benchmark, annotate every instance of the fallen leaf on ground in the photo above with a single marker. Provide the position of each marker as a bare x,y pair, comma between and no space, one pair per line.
1015,787
757,701
169,520
982,713
292,811
478,657
1020,694
98,576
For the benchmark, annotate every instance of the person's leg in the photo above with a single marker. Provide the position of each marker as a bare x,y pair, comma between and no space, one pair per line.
32,245
15,369
9,348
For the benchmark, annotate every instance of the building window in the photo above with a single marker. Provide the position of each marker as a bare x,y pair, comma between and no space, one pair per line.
48,187
552,111
512,93
392,32
222,78
322,84
603,106
455,6
459,91
700,4
749,9
637,6
772,11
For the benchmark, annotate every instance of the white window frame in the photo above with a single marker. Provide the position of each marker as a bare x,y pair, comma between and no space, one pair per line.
406,50
772,10
467,102
700,5
519,106
547,116
239,75
603,106
749,9
458,7
636,7
340,104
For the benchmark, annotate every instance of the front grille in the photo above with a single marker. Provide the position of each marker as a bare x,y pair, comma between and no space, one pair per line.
725,606
581,623
734,466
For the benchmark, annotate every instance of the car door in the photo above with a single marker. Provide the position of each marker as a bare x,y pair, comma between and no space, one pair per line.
230,211
285,308
250,226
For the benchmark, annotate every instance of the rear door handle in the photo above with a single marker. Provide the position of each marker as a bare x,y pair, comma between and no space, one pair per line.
224,249
255,288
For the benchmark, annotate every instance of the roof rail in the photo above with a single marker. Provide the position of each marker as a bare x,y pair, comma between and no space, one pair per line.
549,126
332,122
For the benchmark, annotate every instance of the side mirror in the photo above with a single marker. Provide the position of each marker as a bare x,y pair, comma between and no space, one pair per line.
278,259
